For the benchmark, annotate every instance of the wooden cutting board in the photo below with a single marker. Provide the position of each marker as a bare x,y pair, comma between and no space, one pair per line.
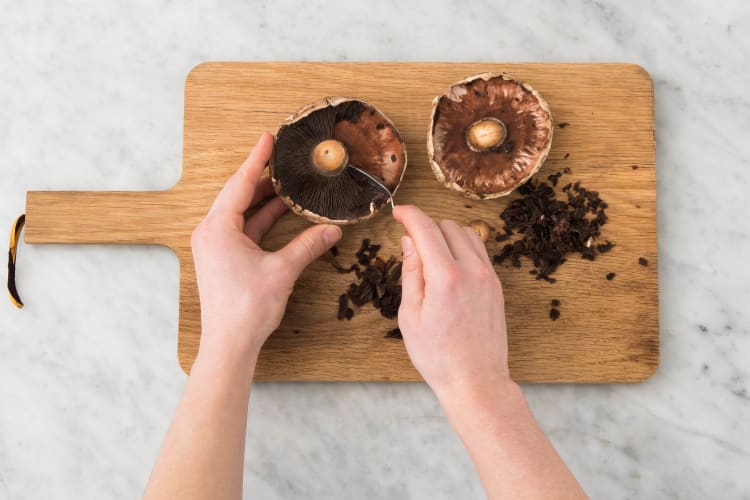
608,330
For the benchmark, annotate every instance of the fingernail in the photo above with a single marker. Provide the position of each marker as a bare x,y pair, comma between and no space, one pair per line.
407,247
331,234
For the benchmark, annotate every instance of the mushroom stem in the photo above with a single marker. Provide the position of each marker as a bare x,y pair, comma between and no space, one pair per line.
481,228
485,134
330,156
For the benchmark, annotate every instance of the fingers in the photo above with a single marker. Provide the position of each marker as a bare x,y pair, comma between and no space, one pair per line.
427,237
477,244
308,246
263,190
260,222
238,192
412,280
458,241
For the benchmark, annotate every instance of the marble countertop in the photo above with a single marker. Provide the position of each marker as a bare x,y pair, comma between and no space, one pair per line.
91,99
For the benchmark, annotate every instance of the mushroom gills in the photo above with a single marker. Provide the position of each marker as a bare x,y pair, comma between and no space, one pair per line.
377,184
347,196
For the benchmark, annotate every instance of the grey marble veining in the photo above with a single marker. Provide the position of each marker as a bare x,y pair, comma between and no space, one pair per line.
91,98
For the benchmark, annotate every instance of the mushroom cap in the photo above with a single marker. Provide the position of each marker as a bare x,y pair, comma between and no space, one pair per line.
499,168
341,196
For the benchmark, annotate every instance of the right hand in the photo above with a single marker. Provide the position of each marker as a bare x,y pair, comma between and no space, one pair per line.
452,314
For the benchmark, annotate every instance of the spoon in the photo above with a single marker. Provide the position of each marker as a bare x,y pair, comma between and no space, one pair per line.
377,182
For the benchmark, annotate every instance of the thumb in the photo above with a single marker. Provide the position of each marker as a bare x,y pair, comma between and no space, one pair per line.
309,245
412,280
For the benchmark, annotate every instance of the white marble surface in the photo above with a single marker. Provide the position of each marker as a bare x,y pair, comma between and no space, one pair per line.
91,98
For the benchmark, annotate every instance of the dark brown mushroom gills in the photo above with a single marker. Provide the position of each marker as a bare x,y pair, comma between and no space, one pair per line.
308,176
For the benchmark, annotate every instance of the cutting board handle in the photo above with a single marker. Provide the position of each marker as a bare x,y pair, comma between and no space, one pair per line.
125,217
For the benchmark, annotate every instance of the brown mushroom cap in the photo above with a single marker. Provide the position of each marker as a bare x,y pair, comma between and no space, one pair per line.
314,146
488,135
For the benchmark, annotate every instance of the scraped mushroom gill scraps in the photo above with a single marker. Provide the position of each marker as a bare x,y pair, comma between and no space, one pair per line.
549,229
378,282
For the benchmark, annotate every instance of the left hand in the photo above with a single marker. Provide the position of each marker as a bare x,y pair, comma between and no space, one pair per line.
244,289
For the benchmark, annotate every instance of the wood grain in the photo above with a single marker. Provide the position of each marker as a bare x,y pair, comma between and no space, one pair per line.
608,330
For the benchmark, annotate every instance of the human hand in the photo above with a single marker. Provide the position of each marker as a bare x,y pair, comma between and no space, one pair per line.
452,317
244,289
452,313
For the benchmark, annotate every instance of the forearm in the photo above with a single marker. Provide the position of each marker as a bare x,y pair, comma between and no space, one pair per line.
203,452
512,455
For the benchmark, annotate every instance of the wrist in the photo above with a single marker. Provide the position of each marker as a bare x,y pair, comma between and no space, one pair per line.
221,355
232,336
468,400
224,370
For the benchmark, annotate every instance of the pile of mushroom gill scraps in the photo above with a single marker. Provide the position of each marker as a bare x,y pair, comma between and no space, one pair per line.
546,223
378,282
